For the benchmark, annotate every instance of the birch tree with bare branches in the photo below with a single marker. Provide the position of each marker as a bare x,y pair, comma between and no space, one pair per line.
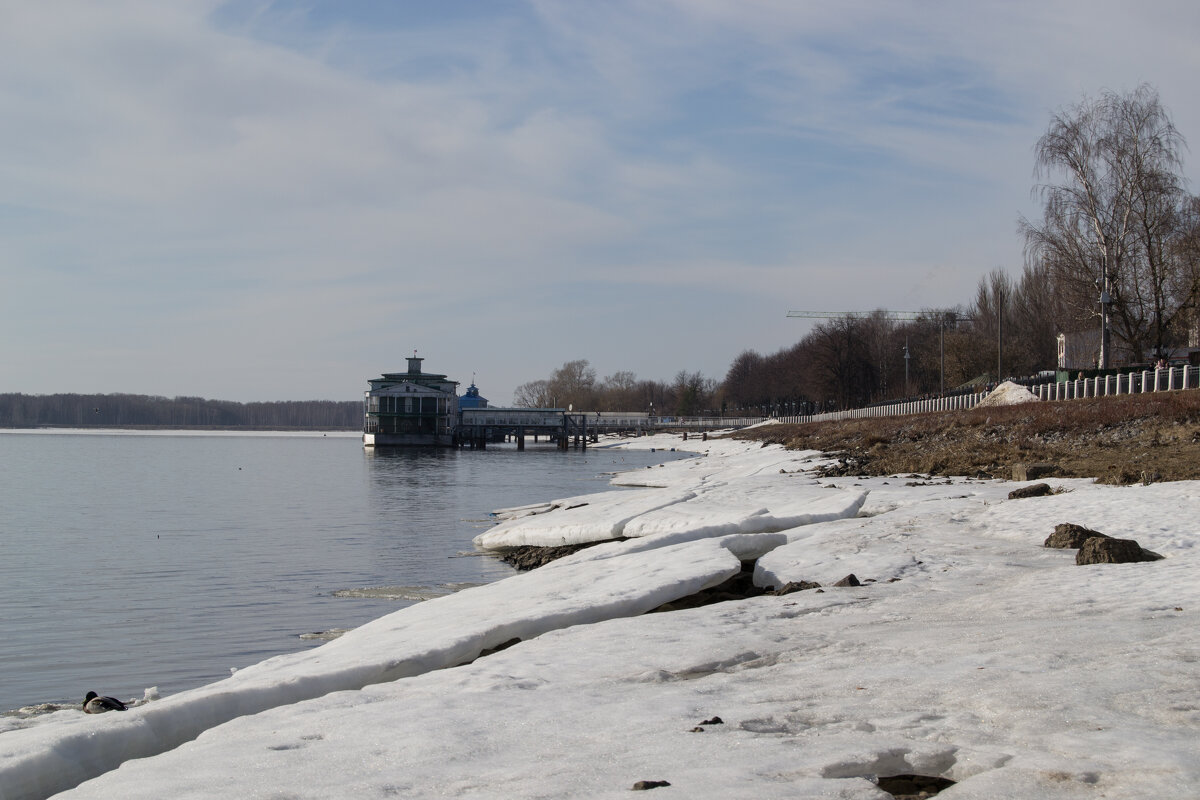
1112,227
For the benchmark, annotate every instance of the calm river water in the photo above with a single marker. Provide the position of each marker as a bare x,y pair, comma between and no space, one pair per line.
130,560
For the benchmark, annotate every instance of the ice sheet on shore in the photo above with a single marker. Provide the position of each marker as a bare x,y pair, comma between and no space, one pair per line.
742,491
991,661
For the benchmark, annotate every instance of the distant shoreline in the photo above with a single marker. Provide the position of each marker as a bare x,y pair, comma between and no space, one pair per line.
227,428
149,412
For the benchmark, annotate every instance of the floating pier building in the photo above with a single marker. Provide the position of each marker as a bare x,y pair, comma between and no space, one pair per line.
410,408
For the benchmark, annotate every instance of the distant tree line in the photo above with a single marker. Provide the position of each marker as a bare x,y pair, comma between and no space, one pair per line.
574,385
132,410
1114,263
855,360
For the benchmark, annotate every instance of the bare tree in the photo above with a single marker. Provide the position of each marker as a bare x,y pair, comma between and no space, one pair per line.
535,394
879,338
1035,311
1109,220
693,393
843,368
618,392
573,384
743,387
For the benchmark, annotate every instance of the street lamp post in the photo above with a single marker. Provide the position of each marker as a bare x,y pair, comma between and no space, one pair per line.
1105,336
907,392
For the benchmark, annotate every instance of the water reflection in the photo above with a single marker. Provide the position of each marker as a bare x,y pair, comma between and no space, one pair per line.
206,553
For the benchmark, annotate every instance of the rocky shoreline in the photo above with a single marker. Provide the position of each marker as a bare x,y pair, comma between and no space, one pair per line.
1120,440
1127,439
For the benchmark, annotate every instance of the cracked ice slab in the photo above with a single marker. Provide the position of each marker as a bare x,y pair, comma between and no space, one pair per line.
713,503
64,749
580,520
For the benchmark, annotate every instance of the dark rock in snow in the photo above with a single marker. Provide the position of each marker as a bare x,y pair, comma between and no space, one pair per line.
642,785
849,580
794,586
1101,550
527,557
1033,490
1070,535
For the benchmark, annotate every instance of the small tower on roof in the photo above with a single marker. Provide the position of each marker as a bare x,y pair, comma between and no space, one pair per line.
414,364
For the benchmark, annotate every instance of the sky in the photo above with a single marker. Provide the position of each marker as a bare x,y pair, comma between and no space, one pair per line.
257,200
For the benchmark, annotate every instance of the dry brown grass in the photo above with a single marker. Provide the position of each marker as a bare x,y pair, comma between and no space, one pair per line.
1114,439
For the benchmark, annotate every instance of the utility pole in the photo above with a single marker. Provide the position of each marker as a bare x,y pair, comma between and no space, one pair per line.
1105,335
999,335
907,391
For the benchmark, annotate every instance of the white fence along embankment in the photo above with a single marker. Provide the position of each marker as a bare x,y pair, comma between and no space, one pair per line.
1164,379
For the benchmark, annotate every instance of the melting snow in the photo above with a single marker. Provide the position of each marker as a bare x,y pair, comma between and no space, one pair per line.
1008,394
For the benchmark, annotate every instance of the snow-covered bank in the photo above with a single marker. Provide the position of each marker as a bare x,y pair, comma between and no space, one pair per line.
736,490
975,654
